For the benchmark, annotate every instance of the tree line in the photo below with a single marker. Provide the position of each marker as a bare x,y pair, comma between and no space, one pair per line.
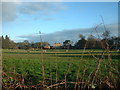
7,43
91,42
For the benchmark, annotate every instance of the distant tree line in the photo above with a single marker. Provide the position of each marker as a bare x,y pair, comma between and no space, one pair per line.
27,45
91,42
7,43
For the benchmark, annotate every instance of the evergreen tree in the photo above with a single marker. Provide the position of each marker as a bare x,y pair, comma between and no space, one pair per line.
7,42
0,40
3,42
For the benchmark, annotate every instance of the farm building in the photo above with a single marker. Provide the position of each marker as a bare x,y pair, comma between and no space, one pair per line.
57,45
46,47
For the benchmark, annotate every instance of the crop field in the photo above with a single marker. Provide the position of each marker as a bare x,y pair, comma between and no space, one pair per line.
55,69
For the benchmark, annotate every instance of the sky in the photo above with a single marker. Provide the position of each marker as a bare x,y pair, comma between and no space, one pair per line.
57,21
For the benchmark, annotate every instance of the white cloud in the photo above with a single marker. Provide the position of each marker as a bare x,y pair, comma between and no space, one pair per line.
40,7
9,11
60,0
49,19
12,10
91,0
44,1
11,0
72,34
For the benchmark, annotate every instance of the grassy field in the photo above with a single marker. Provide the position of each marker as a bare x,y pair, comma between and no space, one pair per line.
60,69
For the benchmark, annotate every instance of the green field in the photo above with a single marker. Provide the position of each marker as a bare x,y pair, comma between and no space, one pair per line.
27,69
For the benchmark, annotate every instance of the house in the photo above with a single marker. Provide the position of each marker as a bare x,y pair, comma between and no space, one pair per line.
46,47
57,45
